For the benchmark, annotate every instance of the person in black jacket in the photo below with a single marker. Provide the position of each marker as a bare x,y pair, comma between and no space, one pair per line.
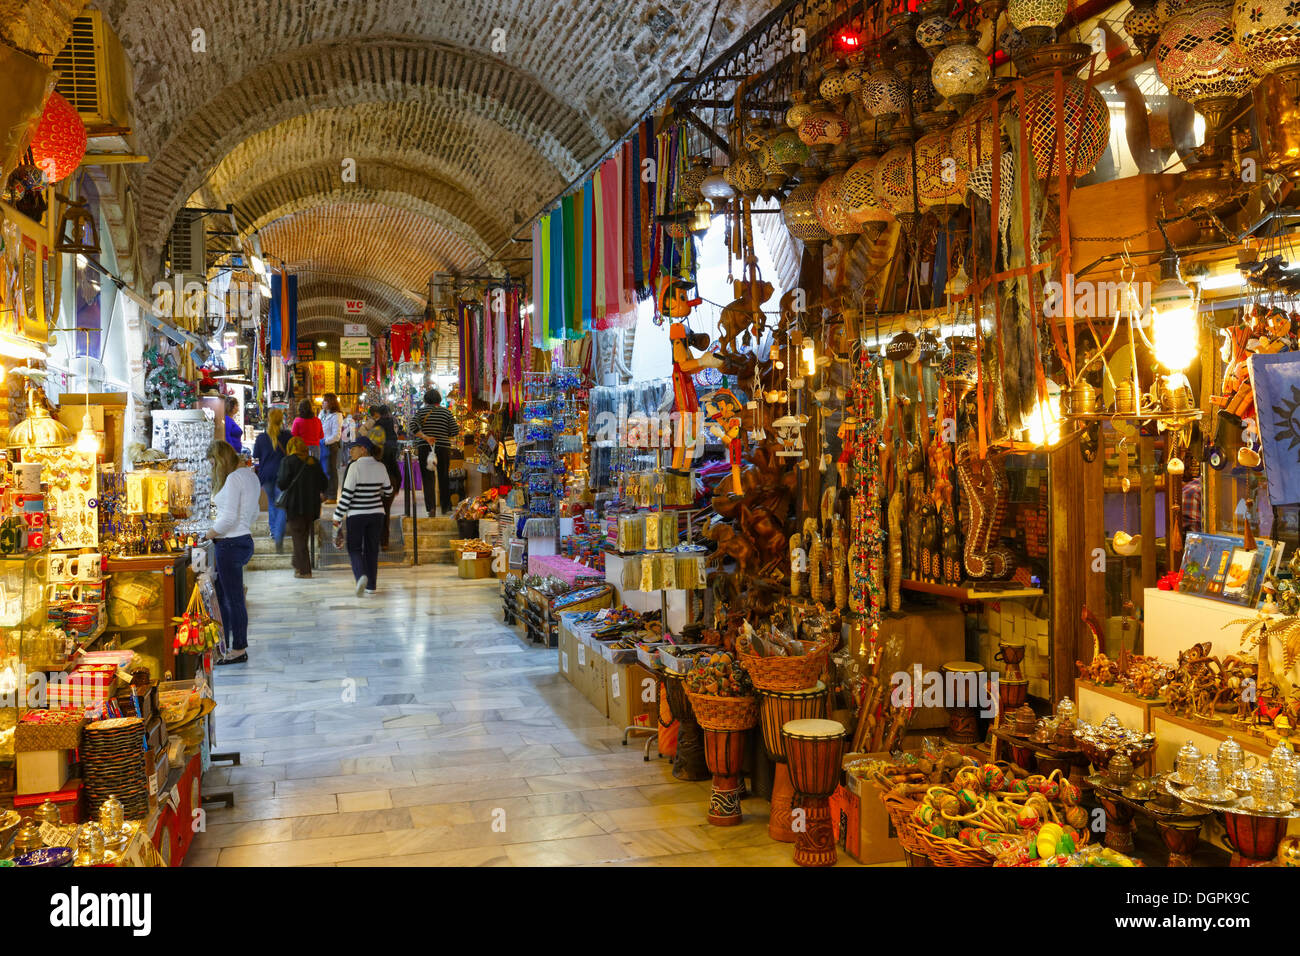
303,484
384,419
269,452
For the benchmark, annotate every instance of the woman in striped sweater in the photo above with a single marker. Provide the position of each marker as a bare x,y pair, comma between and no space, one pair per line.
361,502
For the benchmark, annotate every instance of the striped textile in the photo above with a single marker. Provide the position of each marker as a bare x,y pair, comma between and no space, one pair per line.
364,489
437,423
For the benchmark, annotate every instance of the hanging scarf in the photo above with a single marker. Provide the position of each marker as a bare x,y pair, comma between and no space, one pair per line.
588,252
598,241
541,238
609,183
499,356
580,241
567,263
628,237
645,203
638,220
556,313
462,342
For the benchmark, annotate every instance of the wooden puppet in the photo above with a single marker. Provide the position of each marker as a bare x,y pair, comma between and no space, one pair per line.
724,410
674,304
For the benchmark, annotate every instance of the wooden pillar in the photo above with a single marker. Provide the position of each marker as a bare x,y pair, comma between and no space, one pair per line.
1147,472
1094,534
1070,555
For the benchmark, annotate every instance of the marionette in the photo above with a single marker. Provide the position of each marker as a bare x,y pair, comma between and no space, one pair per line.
724,409
674,305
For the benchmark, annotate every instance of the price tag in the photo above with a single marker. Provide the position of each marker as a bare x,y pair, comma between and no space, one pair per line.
58,836
582,655
613,685
564,660
468,555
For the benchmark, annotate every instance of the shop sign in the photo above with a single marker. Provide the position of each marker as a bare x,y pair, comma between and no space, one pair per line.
354,306
354,348
355,330
306,352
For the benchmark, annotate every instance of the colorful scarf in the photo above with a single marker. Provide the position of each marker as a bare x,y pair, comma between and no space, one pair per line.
555,315
569,232
588,253
542,303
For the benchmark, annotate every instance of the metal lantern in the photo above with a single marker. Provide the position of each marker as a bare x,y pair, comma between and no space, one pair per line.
1087,126
932,32
38,429
960,72
858,193
1199,61
893,183
823,126
688,185
1143,24
939,180
1036,20
1167,9
1268,33
745,175
799,210
830,208
783,153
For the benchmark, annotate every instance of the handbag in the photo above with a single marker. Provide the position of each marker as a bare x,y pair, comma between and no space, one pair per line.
284,494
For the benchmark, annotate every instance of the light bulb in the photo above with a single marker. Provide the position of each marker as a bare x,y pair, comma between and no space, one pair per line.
8,680
1173,324
809,355
1044,423
87,441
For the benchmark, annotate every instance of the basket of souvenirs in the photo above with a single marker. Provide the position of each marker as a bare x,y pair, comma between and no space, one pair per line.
721,693
777,662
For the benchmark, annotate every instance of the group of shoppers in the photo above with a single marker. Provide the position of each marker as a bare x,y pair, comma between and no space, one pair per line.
301,467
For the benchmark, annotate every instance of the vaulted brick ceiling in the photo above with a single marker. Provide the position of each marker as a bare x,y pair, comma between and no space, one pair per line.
462,118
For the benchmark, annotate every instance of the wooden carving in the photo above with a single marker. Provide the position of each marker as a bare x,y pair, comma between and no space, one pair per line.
984,487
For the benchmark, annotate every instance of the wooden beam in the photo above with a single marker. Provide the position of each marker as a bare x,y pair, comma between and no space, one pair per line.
707,131
1070,561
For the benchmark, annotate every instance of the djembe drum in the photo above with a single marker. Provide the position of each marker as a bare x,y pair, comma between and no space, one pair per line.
776,709
689,762
963,708
1254,839
725,721
815,749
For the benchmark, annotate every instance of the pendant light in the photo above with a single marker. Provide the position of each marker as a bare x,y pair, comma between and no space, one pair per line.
1198,59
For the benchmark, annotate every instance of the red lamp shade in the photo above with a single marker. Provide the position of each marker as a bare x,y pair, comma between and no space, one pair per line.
60,141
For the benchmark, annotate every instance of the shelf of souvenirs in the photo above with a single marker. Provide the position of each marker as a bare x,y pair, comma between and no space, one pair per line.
83,644
971,593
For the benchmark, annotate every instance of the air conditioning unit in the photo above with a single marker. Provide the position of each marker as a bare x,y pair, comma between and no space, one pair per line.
188,244
94,75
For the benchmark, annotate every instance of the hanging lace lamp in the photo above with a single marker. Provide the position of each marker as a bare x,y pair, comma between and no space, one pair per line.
1268,33
1199,60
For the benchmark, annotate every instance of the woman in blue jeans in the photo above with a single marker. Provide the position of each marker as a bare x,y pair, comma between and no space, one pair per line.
236,493
269,450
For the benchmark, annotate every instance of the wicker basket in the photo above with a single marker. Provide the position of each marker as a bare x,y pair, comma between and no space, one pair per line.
785,673
58,730
724,713
900,807
945,851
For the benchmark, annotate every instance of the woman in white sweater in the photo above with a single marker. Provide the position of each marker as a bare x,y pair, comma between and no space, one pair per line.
361,502
236,493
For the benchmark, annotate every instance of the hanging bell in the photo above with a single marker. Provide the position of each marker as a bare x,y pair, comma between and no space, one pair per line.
77,231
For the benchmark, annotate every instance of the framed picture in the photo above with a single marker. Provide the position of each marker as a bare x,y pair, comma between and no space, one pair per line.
1237,578
518,549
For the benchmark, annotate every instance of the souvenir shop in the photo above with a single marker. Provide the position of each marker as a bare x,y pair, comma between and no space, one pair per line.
915,446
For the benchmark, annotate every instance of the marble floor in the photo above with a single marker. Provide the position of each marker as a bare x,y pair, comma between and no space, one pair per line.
413,728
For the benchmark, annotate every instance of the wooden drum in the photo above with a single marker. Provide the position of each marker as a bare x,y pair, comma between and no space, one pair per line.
688,764
1255,839
724,752
963,719
814,749
777,708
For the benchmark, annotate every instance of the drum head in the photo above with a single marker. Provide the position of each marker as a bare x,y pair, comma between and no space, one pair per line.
814,729
795,694
961,667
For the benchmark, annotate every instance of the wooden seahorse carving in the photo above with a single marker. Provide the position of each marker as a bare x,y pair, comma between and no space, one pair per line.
986,499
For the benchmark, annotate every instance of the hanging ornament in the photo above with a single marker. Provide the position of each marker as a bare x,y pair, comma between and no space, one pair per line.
1143,24
799,111
940,182
1036,20
887,97
1200,62
858,193
1268,34
832,213
1086,119
932,32
892,181
799,209
960,71
59,144
782,154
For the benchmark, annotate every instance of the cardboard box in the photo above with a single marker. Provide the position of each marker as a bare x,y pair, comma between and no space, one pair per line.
877,838
565,654
627,686
473,568
43,771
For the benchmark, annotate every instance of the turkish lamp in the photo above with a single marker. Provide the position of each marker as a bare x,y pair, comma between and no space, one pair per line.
808,355
701,217
87,442
1043,424
38,429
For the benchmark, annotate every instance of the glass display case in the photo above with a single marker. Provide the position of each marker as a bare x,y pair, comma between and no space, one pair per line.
23,625
147,593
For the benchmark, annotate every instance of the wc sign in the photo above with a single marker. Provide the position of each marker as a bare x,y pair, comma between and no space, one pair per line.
354,306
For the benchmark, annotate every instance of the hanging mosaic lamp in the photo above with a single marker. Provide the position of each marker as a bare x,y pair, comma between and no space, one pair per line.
940,182
59,143
892,180
832,87
974,137
757,134
823,126
1087,126
717,190
855,74
829,205
1011,41
799,209
858,193
799,110
1036,20
923,92
689,183
1142,24
745,175
932,32
888,97
1268,33
1198,59
783,153
960,71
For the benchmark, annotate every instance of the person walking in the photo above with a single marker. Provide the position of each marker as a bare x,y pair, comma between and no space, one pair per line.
361,503
308,427
388,428
234,434
269,451
331,420
435,429
303,485
235,496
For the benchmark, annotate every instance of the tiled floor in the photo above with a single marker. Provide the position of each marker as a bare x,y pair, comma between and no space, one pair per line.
413,728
